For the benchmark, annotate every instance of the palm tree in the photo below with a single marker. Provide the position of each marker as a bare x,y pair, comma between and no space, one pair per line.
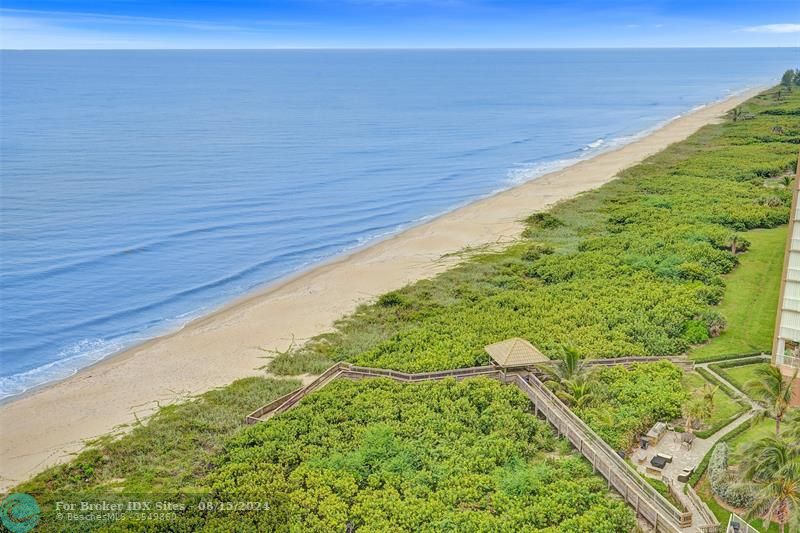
765,458
568,366
708,392
772,466
787,180
734,244
694,410
578,391
778,500
773,389
736,113
571,379
791,429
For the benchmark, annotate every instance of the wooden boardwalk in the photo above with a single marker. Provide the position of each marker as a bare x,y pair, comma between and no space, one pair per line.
648,503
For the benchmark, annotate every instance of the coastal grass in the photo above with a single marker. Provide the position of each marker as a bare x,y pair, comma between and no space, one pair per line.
637,267
751,298
167,454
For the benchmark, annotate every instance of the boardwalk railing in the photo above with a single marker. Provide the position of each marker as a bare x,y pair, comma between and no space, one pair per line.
287,401
736,524
710,524
681,362
647,501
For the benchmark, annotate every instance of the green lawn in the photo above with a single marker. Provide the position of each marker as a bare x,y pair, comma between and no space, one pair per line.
765,428
739,375
723,515
751,297
724,406
762,429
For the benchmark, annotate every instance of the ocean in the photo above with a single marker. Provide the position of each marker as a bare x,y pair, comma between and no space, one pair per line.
141,189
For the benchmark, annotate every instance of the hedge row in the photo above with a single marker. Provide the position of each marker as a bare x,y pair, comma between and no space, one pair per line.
701,468
726,357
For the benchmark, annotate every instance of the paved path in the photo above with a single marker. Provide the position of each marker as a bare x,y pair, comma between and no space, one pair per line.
739,394
670,444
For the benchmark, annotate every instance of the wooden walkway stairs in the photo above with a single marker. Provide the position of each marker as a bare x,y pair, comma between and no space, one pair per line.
649,504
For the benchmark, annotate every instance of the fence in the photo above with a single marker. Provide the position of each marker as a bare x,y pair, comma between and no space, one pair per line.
646,500
787,360
287,401
681,362
710,522
737,525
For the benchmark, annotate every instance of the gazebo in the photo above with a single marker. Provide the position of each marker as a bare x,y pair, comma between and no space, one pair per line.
515,353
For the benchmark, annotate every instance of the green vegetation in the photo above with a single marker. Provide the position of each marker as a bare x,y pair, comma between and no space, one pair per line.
663,489
433,456
168,455
790,79
725,483
770,470
749,446
772,389
375,454
736,438
618,403
751,297
703,490
636,267
633,268
723,408
629,401
739,375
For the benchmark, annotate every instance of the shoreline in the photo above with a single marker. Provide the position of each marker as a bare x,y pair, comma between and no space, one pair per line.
52,420
615,144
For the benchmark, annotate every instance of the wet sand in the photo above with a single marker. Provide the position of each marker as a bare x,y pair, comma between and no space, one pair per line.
45,426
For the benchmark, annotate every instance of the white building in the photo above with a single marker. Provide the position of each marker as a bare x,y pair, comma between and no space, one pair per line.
786,344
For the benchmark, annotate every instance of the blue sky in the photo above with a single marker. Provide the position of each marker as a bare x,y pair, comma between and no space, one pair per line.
397,23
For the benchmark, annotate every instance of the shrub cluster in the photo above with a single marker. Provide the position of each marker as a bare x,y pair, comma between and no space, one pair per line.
631,400
723,483
631,269
435,456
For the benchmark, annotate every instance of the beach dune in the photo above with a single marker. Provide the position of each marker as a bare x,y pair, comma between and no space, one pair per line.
46,426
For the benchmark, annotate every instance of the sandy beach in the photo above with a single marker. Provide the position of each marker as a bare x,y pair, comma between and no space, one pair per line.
48,425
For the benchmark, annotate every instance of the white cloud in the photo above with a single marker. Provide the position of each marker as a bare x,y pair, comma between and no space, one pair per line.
30,29
775,28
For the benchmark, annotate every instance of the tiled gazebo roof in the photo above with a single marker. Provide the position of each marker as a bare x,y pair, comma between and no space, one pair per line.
515,352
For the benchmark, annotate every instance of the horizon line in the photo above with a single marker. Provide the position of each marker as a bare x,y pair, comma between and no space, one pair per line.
399,48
